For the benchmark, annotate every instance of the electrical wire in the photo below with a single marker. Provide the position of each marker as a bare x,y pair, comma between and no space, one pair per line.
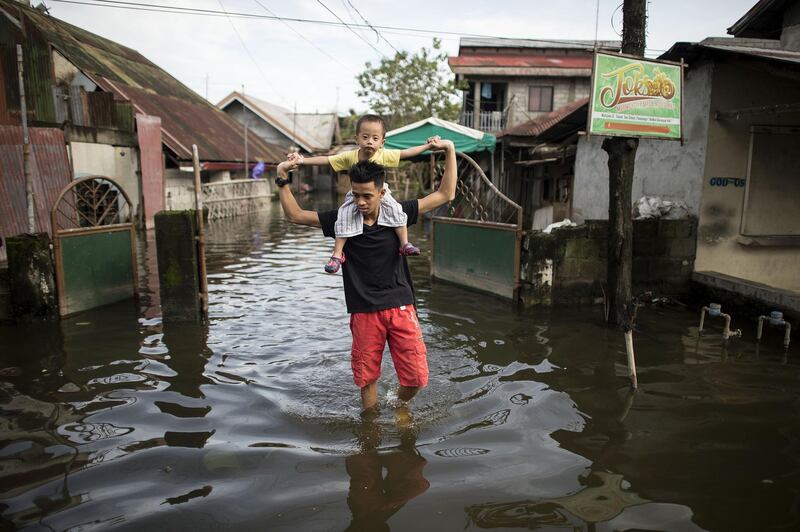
392,30
373,28
160,8
252,58
305,38
351,29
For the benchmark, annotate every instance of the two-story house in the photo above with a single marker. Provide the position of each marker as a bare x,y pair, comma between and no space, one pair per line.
510,81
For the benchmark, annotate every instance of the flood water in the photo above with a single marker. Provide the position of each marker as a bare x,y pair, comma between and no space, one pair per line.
114,420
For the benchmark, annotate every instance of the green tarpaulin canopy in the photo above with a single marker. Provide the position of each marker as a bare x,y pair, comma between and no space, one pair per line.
467,140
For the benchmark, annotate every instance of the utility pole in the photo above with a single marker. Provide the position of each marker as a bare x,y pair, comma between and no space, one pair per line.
621,157
246,155
26,144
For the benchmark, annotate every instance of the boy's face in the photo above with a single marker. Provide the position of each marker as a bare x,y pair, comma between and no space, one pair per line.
370,137
367,197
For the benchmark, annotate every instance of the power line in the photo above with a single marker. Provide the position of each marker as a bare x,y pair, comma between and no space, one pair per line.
160,8
253,59
370,25
351,29
304,38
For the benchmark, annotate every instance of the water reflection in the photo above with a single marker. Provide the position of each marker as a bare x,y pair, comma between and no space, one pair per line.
115,419
374,497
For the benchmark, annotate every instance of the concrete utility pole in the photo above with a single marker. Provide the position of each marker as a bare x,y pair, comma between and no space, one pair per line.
621,157
26,144
244,119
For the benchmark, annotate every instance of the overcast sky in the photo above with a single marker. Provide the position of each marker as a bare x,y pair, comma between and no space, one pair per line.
275,63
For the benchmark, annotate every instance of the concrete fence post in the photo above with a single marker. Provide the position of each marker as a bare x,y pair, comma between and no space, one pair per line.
32,286
178,268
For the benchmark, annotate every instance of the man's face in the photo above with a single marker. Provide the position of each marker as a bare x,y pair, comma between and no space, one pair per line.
367,197
370,137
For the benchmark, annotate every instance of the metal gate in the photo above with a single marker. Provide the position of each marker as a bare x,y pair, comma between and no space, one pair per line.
477,243
94,244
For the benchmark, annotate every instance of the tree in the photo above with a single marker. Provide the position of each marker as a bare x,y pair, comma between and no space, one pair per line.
621,157
410,87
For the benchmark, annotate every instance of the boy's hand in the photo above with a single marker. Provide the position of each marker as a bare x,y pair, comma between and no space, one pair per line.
433,139
295,158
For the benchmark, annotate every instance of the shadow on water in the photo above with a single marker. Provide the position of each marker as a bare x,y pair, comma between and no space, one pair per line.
113,419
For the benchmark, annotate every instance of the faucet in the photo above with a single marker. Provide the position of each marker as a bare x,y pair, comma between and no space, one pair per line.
775,318
714,310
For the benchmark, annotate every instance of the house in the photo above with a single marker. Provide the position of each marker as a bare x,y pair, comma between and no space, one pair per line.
308,133
749,213
510,81
538,167
122,116
736,169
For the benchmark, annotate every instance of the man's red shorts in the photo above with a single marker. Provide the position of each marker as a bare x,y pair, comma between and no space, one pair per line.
400,327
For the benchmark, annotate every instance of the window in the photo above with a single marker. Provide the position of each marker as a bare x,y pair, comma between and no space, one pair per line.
540,98
772,193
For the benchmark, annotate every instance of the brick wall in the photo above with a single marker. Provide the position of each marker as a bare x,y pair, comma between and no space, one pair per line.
569,265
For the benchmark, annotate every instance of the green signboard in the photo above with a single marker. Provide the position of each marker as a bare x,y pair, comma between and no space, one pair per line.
633,97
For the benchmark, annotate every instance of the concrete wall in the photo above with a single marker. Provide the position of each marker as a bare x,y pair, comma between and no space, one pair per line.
720,248
569,265
663,168
565,90
179,187
117,162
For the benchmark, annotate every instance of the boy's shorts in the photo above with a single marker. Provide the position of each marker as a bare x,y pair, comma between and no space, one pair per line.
400,327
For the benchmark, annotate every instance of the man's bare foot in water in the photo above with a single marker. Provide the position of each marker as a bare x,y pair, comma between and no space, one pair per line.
402,415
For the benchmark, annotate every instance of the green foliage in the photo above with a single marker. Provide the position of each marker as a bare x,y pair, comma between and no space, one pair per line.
347,125
410,87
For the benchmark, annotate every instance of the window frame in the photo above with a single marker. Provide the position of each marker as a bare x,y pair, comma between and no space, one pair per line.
540,87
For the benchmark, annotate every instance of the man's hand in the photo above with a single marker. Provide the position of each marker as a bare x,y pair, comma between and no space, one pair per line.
439,144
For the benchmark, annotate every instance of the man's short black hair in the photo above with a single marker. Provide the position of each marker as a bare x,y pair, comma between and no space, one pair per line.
370,118
368,172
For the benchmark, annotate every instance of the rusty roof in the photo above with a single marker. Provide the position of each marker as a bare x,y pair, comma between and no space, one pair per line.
521,61
541,125
186,117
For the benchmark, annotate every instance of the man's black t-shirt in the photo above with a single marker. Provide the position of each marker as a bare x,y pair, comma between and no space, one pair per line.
375,276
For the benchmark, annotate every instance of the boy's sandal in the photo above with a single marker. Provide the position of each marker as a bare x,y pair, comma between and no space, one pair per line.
334,263
409,249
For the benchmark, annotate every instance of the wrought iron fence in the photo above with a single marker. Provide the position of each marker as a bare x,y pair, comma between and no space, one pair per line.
477,198
93,201
232,198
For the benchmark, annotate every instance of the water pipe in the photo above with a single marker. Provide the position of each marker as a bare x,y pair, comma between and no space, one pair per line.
775,319
714,310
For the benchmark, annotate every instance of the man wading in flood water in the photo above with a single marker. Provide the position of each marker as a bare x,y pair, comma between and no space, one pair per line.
377,282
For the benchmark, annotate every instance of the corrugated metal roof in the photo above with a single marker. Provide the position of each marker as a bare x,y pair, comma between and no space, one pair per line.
475,42
756,48
539,126
51,172
520,61
764,19
311,131
186,117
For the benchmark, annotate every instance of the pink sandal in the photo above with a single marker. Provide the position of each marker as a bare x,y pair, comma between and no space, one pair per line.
334,263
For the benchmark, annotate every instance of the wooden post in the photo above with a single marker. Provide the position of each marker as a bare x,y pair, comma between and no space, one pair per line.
201,233
26,144
621,158
476,106
631,359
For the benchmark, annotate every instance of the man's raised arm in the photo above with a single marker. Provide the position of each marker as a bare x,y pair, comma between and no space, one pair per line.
291,209
447,188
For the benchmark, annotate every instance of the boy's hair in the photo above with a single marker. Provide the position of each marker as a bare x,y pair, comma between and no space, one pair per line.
371,118
366,172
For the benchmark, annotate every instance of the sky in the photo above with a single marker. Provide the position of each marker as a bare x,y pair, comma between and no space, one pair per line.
313,68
